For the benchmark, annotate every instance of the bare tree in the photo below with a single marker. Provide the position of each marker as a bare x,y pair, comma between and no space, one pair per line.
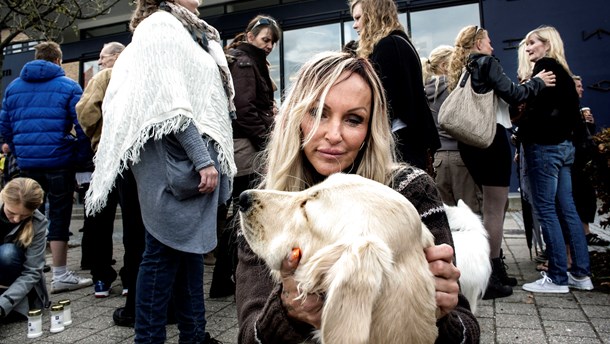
45,19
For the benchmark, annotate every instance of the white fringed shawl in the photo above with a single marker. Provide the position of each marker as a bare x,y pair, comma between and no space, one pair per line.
160,83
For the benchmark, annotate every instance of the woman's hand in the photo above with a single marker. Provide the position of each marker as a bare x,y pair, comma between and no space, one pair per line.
209,179
547,77
308,311
446,275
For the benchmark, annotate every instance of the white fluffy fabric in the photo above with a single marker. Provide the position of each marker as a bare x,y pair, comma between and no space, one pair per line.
471,251
160,83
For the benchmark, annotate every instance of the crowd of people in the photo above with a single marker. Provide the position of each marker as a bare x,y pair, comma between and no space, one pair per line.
175,140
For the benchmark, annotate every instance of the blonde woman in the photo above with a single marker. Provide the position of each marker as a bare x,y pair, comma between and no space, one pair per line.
546,134
452,178
491,167
383,40
334,119
23,231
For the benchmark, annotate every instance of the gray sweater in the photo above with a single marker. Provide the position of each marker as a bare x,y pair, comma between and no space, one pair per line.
173,210
32,277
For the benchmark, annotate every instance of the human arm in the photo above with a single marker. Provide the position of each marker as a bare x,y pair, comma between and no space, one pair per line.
261,316
32,267
456,323
399,69
196,150
491,74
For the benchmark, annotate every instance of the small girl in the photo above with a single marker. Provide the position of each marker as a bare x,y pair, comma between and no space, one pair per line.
23,231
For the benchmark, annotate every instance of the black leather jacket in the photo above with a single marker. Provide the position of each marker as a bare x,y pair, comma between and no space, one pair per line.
487,74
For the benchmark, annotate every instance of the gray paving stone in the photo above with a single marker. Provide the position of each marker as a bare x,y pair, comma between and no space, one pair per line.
569,329
519,336
518,321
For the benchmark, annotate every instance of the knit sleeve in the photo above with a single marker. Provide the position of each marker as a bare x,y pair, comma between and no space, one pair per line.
459,326
194,147
419,188
260,314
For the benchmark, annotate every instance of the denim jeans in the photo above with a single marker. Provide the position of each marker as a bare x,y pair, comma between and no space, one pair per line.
549,168
12,258
58,186
162,270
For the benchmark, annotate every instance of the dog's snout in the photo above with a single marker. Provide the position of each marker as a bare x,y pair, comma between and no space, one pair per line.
245,200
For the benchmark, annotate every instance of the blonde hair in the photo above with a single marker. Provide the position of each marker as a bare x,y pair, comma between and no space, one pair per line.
525,66
436,64
438,61
379,19
550,37
287,169
464,44
29,194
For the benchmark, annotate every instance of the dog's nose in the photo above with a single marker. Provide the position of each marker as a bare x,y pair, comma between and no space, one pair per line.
245,200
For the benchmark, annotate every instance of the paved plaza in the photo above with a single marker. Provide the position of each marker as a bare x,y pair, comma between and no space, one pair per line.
577,317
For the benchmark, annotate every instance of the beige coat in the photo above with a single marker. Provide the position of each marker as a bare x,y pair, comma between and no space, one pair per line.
89,107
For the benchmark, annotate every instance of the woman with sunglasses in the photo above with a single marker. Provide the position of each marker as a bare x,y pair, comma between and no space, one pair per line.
491,167
255,110
23,232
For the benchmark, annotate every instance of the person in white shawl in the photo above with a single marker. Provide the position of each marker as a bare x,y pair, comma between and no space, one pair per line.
167,116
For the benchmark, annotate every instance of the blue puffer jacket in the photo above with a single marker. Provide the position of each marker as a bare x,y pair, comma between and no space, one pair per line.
38,119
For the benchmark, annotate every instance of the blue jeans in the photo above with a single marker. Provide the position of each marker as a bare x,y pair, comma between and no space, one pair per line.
58,186
12,258
551,189
163,270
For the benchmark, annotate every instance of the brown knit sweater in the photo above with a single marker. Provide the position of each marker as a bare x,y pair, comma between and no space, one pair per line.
262,318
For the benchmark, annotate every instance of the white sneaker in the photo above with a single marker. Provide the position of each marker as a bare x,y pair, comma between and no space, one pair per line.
582,283
545,285
69,281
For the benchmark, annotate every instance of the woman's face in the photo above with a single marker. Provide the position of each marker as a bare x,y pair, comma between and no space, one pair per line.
343,126
484,45
190,5
264,40
357,16
535,48
16,213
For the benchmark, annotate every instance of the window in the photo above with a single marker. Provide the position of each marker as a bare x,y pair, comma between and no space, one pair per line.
431,28
301,44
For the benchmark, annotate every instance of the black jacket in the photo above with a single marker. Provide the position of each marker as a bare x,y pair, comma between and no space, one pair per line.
551,117
487,74
253,93
399,68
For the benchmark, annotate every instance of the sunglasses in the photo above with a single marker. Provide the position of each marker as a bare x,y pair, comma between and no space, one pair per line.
264,21
476,32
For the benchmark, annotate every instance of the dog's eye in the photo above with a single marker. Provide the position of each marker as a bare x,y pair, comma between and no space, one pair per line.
303,203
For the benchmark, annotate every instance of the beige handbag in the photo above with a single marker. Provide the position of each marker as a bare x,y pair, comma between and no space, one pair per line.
469,117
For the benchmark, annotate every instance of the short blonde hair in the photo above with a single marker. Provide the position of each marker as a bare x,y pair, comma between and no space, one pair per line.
29,194
287,169
552,40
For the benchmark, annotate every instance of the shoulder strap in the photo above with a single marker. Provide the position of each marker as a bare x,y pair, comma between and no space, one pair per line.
465,75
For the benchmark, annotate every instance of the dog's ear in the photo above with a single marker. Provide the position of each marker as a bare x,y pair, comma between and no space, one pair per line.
352,275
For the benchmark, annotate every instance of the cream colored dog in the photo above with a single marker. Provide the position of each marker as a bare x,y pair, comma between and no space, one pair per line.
362,247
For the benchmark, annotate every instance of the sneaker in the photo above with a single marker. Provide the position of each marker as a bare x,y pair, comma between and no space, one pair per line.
102,289
125,292
582,283
69,281
545,285
594,240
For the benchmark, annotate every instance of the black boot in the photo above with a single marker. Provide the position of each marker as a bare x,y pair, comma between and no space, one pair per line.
495,288
501,269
